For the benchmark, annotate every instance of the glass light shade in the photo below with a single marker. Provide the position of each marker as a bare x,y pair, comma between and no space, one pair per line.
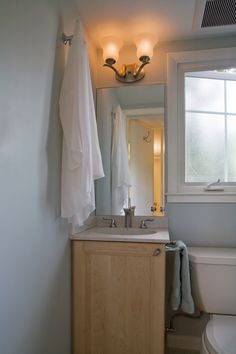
111,47
145,43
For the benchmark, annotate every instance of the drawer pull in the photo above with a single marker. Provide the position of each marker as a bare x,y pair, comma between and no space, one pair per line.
157,252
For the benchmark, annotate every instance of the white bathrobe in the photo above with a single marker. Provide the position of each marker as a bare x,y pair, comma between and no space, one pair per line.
81,159
120,166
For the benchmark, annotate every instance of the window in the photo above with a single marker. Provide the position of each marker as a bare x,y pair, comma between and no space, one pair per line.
201,135
210,126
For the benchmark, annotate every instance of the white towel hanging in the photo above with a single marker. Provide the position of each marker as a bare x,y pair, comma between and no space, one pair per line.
120,166
81,160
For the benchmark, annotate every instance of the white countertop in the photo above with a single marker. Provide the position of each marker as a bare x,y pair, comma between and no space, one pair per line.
122,235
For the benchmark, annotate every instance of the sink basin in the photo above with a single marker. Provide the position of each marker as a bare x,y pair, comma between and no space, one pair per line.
123,231
121,234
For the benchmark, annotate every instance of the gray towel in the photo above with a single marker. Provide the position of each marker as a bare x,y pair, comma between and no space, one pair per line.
181,297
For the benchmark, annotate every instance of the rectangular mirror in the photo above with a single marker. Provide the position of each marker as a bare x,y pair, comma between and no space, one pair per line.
134,155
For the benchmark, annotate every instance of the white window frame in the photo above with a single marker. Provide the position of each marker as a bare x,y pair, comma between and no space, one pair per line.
177,64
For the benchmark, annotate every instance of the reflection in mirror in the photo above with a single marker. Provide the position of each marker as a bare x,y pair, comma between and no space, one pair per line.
131,133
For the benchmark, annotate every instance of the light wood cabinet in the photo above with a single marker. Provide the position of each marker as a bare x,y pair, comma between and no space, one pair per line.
118,297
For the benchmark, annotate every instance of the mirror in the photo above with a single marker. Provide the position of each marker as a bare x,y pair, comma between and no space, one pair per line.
142,110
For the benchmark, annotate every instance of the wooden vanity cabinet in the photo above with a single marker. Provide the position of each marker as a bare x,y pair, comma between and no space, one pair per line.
118,297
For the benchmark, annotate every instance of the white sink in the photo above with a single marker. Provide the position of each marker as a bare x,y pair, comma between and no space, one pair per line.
123,231
121,234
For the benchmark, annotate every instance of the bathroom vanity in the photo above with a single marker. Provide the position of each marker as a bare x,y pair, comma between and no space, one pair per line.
118,286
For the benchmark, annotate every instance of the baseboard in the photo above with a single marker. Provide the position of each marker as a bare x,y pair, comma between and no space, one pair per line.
183,342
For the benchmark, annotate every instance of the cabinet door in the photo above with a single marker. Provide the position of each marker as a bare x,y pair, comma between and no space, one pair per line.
118,298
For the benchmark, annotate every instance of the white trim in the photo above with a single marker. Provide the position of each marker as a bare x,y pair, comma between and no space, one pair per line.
210,112
212,75
183,342
204,56
149,111
207,197
177,64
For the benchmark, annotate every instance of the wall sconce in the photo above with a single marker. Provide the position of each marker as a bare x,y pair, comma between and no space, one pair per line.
132,72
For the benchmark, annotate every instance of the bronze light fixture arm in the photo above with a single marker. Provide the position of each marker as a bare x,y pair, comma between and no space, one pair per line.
114,69
128,73
141,67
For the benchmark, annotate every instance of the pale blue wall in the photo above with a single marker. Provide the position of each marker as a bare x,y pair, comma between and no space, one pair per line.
34,246
203,224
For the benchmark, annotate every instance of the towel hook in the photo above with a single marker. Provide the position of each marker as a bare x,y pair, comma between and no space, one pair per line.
66,39
147,138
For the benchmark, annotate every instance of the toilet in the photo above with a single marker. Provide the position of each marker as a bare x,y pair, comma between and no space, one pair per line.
213,279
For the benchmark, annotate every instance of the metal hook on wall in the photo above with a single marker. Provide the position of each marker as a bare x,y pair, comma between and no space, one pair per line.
66,39
147,138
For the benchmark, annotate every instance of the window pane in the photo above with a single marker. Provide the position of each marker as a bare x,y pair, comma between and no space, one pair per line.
231,133
204,147
231,94
204,94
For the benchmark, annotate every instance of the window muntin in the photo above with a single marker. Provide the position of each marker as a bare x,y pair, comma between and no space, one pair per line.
210,126
231,96
232,147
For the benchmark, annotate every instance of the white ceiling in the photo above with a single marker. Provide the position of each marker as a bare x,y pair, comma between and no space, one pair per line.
167,19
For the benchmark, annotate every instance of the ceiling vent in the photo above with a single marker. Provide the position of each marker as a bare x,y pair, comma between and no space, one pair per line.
219,13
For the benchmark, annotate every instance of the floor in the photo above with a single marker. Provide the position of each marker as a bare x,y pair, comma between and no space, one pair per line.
180,351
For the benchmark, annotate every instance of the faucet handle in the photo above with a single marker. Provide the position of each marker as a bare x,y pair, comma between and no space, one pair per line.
143,224
113,222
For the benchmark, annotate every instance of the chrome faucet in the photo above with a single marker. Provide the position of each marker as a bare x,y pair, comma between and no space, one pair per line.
113,222
143,223
129,213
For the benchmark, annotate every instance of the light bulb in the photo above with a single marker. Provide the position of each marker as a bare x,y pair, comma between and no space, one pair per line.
145,43
111,47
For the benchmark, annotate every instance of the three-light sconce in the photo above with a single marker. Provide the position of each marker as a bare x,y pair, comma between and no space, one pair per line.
131,72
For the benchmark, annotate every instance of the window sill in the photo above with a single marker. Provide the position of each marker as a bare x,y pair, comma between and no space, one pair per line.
204,197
